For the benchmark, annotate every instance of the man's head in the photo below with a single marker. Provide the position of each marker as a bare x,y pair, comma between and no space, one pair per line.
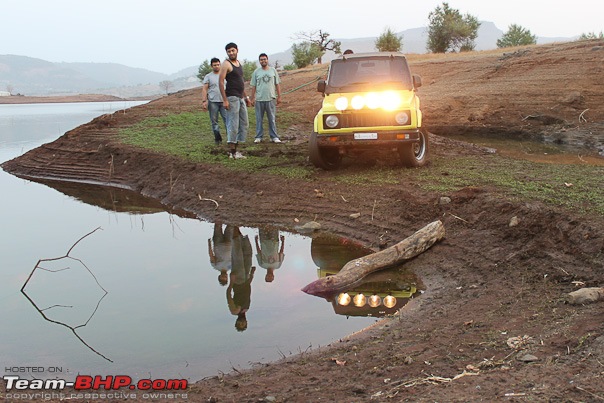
263,59
223,277
215,63
270,275
231,50
241,322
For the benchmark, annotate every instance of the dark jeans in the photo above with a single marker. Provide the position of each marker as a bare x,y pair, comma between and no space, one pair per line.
215,108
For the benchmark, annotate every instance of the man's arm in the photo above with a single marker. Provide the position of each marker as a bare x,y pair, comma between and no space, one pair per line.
225,68
204,96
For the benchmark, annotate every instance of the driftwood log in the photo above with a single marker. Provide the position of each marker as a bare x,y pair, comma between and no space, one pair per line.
354,271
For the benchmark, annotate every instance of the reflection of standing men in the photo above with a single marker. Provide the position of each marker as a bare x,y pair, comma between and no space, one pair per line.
220,256
242,273
268,254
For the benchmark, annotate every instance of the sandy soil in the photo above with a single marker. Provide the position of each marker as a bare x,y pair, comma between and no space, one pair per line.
486,283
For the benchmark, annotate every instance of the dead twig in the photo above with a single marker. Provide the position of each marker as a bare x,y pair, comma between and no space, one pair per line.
373,210
459,218
346,201
581,118
204,199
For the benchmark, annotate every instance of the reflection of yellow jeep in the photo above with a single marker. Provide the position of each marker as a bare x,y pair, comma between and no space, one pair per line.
370,104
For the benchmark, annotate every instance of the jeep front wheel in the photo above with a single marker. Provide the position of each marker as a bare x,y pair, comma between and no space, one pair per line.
327,158
415,154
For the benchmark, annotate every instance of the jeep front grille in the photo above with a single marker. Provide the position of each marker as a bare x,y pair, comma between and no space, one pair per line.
373,119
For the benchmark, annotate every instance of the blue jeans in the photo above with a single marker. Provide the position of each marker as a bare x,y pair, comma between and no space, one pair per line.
215,108
236,120
270,108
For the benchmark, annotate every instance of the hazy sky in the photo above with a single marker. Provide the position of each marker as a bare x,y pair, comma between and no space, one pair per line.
169,35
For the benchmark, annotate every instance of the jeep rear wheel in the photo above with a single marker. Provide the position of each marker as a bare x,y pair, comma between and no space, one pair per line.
327,158
415,154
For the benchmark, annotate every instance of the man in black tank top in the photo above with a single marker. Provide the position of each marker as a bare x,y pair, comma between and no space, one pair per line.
234,100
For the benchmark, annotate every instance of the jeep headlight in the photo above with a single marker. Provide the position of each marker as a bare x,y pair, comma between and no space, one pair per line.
402,118
332,121
341,103
372,100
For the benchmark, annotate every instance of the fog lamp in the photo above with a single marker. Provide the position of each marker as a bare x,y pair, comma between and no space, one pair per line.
391,101
372,100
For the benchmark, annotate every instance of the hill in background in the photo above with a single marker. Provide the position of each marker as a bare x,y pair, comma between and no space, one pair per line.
30,76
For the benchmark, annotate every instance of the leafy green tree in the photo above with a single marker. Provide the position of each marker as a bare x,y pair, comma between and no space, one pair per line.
289,67
321,41
389,42
591,35
449,31
248,69
305,53
516,36
204,68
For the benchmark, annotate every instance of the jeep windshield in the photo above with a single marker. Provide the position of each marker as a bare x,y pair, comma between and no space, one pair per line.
371,73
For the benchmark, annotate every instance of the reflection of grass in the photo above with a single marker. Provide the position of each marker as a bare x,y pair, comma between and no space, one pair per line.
188,136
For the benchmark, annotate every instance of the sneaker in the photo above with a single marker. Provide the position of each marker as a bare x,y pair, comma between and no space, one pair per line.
257,140
231,156
239,156
276,140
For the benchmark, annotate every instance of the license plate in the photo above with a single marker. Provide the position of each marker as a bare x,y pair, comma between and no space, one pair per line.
365,136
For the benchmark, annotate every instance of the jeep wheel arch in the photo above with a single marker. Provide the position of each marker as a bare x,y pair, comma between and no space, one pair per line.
328,159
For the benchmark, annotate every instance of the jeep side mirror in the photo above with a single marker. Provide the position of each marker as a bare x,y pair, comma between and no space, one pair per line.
321,86
417,81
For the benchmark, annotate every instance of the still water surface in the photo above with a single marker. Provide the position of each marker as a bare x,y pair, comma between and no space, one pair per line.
140,296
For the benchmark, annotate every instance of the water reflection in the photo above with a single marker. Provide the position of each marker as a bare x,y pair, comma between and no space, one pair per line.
71,296
268,253
378,294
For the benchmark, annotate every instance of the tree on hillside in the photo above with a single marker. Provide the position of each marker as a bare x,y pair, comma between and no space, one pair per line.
204,68
166,85
449,31
248,69
321,41
516,36
305,53
591,35
389,42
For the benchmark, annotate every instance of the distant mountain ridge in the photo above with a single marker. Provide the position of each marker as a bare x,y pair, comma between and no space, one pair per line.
30,76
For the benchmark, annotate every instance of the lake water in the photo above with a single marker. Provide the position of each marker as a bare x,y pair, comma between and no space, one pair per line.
140,295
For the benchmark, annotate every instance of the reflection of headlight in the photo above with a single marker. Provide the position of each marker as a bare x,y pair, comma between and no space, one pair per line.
402,118
375,301
389,301
358,102
341,103
359,300
332,121
343,299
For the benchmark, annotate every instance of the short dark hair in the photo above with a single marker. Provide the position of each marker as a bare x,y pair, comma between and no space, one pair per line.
348,52
263,55
231,45
214,60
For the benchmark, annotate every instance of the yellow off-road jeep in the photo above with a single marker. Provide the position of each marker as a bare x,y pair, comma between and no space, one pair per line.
370,104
